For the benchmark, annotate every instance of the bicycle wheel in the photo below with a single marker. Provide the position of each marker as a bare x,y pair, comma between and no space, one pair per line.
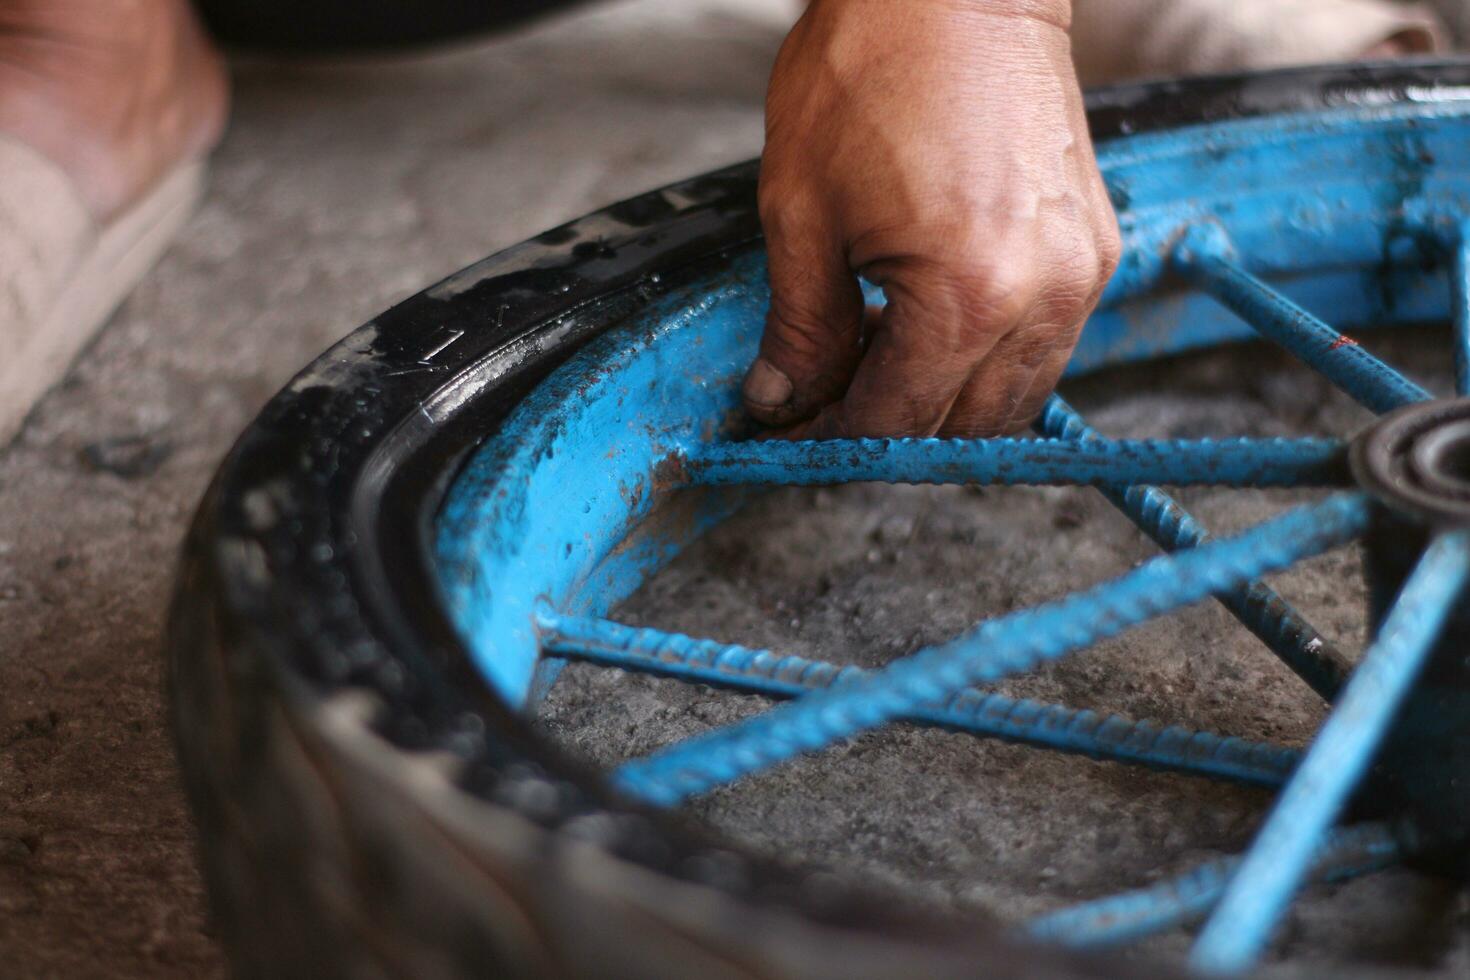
402,550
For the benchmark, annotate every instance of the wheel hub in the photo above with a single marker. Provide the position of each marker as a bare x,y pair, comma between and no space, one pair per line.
1416,461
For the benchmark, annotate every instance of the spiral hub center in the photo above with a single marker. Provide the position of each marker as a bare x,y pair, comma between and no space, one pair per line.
1416,461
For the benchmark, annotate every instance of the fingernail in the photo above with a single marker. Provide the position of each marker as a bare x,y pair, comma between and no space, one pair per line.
766,385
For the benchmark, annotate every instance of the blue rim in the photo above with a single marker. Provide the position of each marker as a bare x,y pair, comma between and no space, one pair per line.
1352,215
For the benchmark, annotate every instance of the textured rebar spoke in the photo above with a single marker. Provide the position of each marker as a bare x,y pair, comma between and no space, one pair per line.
1270,617
1274,866
1116,462
1124,917
1460,309
977,712
996,649
1204,257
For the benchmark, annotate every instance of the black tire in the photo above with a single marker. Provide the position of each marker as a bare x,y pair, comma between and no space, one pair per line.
366,805
357,26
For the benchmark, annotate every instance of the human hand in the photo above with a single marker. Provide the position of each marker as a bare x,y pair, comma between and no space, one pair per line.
939,148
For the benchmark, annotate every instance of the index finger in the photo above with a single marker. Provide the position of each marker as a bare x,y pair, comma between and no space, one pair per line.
930,339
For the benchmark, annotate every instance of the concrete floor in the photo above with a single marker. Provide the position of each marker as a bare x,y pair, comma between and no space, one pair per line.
339,190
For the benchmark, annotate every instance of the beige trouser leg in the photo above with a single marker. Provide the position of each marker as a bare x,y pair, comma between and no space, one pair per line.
1114,40
1456,17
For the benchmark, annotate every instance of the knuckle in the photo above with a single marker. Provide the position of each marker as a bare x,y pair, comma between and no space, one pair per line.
799,241
1079,275
776,216
1109,251
992,296
772,193
795,331
1031,349
785,205
817,346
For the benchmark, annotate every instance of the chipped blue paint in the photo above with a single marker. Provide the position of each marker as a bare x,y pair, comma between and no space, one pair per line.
1128,916
530,520
995,649
1292,191
514,530
1333,217
1206,257
1036,462
1460,307
1336,762
1052,726
1271,618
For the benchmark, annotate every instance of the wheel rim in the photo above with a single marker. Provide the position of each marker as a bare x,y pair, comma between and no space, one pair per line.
308,597
535,547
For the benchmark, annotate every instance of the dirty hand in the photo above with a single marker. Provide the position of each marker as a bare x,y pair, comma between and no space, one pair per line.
939,148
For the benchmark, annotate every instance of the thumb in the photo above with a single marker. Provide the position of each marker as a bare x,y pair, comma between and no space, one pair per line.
813,337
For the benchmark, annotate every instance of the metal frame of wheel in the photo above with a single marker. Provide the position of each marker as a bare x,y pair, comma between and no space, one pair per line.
368,805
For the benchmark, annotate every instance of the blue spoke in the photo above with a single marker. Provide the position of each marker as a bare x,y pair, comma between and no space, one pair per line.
1271,618
1204,257
977,712
1128,916
996,649
1260,891
1116,462
1460,309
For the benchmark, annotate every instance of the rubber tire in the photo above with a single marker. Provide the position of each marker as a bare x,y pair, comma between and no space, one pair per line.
366,806
363,26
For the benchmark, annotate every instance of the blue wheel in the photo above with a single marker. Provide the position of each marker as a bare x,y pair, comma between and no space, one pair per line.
416,536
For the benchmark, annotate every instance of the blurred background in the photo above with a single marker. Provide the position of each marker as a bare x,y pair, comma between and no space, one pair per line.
341,188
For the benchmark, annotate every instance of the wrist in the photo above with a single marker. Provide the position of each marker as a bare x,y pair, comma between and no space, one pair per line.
1055,13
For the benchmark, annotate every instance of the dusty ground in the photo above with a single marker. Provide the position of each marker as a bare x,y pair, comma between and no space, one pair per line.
863,574
339,190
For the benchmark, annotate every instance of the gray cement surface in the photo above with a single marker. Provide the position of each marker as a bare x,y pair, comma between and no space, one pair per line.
339,190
